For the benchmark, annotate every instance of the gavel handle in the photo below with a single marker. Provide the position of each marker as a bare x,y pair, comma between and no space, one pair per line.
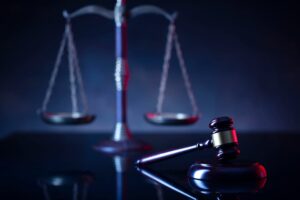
173,153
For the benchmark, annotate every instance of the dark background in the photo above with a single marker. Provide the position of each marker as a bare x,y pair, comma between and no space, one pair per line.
242,57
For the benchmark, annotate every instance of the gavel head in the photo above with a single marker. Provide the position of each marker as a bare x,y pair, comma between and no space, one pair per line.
224,138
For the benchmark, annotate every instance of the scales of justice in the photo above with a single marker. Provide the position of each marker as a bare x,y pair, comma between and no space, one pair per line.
122,140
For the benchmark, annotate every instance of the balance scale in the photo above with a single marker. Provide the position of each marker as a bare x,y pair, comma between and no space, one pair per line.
122,140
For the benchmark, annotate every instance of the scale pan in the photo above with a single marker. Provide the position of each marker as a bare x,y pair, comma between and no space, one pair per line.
171,118
67,118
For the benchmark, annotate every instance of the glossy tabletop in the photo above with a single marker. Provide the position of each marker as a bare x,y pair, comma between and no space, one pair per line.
65,166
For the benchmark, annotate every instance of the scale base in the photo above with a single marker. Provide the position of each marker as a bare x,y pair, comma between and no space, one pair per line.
123,146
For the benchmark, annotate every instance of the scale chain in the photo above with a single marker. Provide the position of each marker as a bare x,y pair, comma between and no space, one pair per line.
166,66
74,70
173,37
55,71
72,77
78,74
185,75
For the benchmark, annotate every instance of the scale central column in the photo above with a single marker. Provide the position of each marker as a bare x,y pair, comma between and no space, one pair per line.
122,140
121,132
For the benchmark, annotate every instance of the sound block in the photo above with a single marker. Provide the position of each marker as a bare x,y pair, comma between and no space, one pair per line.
237,171
227,187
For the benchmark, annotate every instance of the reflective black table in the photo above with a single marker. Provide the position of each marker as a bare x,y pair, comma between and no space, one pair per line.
65,166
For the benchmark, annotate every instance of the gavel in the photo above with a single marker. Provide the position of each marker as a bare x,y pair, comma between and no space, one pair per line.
223,138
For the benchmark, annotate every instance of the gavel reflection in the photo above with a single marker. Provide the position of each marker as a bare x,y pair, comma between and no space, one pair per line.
199,189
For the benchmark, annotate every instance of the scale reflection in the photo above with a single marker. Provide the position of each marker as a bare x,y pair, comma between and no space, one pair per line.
75,184
66,185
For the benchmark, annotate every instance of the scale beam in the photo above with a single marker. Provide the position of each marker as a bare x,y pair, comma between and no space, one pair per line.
150,9
88,10
110,14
